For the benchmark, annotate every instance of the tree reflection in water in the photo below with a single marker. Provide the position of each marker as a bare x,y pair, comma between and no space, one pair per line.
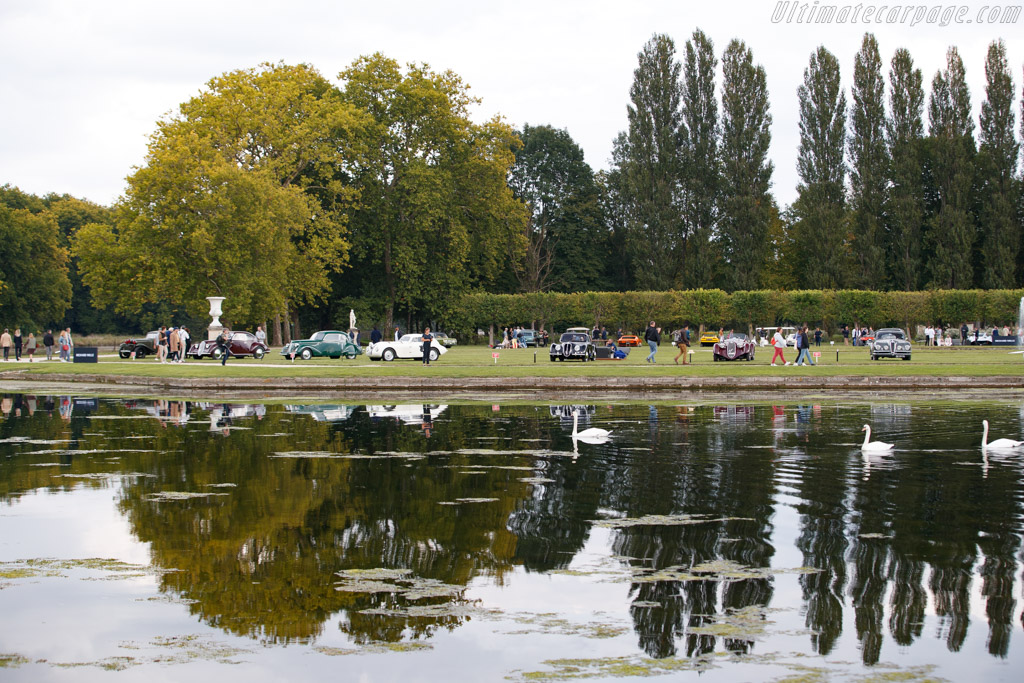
288,497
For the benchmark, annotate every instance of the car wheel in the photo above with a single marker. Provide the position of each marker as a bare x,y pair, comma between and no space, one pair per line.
124,354
551,358
216,353
306,353
388,355
140,353
906,357
433,355
258,354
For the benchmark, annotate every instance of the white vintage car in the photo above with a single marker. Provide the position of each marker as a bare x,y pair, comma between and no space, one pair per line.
407,346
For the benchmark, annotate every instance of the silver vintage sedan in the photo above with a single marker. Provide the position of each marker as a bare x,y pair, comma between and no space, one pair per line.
890,342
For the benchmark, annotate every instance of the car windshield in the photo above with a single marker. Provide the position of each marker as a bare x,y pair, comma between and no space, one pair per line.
574,337
889,334
411,338
738,336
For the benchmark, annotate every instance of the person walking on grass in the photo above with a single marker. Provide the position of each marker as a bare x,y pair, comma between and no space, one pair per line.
779,342
183,337
48,344
682,340
30,346
5,342
427,340
803,343
17,344
224,344
653,337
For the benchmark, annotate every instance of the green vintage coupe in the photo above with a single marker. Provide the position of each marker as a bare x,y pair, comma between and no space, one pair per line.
323,344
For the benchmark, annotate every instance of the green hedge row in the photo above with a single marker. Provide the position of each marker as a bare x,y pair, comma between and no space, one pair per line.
715,308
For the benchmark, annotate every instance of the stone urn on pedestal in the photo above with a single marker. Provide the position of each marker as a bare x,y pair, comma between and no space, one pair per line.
215,328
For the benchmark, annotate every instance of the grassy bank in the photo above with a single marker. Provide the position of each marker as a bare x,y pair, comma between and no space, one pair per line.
478,362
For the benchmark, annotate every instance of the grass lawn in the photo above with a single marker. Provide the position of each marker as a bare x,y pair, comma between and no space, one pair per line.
477,361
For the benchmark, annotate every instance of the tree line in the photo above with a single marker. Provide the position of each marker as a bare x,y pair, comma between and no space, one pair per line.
298,198
742,309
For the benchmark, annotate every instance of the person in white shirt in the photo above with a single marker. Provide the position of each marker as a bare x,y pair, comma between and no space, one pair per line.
779,342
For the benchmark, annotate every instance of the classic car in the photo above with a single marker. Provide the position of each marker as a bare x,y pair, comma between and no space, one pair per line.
890,342
241,344
735,346
979,337
407,346
573,345
323,344
444,340
709,339
142,347
528,338
629,340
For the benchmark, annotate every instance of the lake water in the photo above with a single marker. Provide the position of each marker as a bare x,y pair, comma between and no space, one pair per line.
171,540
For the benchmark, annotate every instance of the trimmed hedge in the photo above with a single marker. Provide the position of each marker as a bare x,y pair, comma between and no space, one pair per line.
715,308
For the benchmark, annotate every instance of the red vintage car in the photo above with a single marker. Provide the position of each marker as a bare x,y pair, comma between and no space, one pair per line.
735,346
242,344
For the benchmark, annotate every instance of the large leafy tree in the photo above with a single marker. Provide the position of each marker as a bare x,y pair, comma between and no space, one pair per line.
747,206
239,197
566,237
701,172
651,168
34,285
869,167
997,165
436,215
904,134
952,231
820,207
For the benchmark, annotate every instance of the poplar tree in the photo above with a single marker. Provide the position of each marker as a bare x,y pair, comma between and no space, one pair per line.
820,207
997,162
651,170
701,159
746,203
869,166
904,133
951,230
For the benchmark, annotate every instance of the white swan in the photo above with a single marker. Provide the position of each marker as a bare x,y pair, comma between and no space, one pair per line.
873,446
591,433
998,444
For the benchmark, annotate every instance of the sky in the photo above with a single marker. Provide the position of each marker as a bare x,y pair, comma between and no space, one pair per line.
83,84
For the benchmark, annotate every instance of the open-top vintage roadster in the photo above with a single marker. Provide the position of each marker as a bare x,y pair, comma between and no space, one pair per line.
735,346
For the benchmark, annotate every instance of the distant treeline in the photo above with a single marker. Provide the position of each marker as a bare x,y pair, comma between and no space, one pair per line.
713,308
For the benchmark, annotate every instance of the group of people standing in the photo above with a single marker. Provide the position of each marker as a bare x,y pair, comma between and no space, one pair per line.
18,344
172,344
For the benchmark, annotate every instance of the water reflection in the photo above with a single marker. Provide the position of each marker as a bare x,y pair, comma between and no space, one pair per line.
266,511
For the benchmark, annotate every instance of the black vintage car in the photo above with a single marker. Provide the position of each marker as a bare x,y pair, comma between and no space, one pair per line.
142,346
573,346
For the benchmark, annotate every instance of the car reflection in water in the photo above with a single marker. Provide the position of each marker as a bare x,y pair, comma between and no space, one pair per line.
223,415
407,414
324,413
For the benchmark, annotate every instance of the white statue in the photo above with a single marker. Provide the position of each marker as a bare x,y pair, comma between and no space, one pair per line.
351,319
